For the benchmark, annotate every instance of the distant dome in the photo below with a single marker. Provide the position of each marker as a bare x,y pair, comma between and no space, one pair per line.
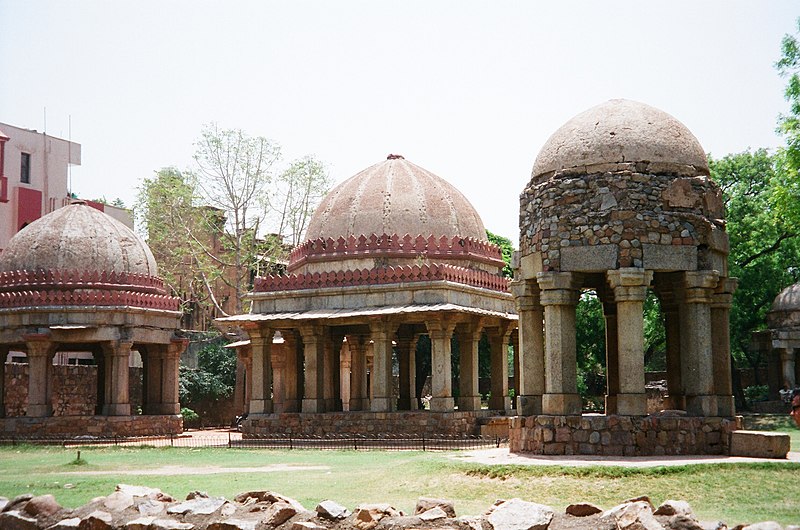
788,299
395,197
620,131
78,238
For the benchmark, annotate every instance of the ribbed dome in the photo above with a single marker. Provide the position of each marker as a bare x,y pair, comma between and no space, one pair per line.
78,238
788,299
395,197
621,131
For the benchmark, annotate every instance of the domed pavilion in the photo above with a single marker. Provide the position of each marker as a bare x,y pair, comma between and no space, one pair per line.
79,280
620,202
780,342
392,253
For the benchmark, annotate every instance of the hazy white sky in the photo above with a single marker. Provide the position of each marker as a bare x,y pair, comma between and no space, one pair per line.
469,90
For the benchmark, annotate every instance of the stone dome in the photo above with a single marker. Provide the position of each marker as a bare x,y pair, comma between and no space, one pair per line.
78,238
395,197
622,131
788,299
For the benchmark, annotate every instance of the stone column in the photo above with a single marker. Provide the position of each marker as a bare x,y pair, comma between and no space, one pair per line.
531,347
358,372
261,393
721,345
498,344
515,347
40,367
630,290
3,356
559,296
244,372
382,333
292,363
333,400
787,368
676,398
314,350
117,400
440,332
406,354
153,370
697,367
468,338
345,366
278,356
172,360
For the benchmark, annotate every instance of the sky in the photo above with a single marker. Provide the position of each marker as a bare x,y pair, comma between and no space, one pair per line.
469,90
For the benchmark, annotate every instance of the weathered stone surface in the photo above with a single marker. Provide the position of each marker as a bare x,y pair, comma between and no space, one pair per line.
3,503
368,516
426,503
97,520
713,525
73,523
227,509
233,524
641,498
170,524
517,514
669,257
196,494
17,501
433,514
141,491
594,258
198,506
140,523
306,525
683,522
760,444
332,510
471,521
42,506
118,501
673,507
16,520
278,513
150,507
269,496
636,515
582,509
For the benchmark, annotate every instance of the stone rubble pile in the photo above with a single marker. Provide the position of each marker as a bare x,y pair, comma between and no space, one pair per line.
142,508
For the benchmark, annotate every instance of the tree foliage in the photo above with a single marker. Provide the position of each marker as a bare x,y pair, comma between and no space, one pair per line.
764,238
299,188
788,66
213,379
506,250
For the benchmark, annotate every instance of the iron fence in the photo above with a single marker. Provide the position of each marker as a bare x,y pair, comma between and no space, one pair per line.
233,439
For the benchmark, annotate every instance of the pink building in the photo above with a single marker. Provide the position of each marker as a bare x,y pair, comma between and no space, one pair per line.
34,169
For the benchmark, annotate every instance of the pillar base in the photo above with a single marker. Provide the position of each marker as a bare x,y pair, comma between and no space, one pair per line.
117,409
333,404
381,404
529,405
39,411
442,404
156,409
611,405
469,403
313,405
631,405
358,404
703,405
261,406
291,405
726,406
675,402
500,403
561,404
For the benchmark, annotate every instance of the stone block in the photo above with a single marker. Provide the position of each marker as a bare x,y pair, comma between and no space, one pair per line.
592,258
669,258
759,444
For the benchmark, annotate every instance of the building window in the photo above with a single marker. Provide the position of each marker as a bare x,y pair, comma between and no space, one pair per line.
25,168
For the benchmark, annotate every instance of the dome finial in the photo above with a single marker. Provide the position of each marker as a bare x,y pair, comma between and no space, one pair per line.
395,157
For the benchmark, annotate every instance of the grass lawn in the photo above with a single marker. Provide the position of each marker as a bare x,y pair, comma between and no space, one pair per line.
734,493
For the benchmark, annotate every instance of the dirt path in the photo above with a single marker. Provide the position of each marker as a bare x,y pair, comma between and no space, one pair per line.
204,470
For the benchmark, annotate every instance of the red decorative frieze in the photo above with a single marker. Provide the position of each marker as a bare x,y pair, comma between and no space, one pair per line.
46,288
385,245
47,280
383,275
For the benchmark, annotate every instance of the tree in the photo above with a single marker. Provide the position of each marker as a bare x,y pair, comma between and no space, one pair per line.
213,379
299,188
764,231
788,66
506,250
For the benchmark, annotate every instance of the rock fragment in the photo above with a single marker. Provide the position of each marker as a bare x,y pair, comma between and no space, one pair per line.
517,514
582,509
332,510
426,503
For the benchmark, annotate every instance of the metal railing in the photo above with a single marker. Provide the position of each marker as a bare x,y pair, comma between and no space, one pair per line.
233,439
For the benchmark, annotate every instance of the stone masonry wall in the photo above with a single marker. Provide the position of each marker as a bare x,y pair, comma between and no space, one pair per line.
369,423
74,389
621,435
623,207
97,426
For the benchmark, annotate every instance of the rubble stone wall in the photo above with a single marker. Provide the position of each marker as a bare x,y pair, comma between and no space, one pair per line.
621,435
98,426
400,423
620,206
74,389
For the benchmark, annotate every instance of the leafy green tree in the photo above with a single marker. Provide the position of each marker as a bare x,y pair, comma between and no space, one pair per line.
764,232
788,66
506,250
213,379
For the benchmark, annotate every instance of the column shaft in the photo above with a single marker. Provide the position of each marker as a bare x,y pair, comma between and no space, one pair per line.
697,368
117,399
292,364
382,334
469,395
406,345
358,372
261,396
40,366
531,347
721,346
314,350
441,332
498,343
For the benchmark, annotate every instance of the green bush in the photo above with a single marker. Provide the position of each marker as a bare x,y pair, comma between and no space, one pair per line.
756,393
189,415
